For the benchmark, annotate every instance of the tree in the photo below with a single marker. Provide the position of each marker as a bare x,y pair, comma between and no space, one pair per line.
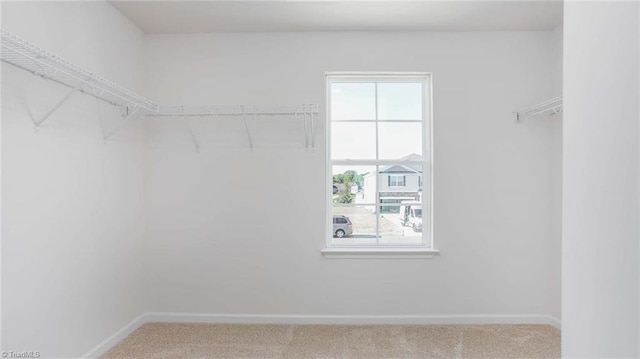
346,180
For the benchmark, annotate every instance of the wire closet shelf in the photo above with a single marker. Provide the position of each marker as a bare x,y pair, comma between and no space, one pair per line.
546,108
20,53
304,112
236,110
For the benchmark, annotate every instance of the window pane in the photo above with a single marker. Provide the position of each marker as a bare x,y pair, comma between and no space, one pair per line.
354,184
401,210
398,140
400,101
400,188
402,223
398,183
353,140
362,227
353,101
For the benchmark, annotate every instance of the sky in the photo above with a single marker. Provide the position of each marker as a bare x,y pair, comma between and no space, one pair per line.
357,102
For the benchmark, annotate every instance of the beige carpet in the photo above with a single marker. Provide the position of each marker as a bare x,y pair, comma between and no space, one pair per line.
171,340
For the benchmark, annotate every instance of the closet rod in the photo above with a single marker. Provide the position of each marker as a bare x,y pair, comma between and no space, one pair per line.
233,110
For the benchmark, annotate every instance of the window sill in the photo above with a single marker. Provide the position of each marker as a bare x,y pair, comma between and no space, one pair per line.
368,252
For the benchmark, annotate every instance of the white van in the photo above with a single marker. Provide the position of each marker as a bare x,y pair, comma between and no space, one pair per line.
411,215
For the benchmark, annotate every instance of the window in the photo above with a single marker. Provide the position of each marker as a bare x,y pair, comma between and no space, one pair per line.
396,181
378,153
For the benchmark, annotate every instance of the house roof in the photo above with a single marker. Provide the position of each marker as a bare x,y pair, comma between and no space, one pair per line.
404,168
399,169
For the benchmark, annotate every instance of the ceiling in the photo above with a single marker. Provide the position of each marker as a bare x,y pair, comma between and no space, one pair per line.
184,17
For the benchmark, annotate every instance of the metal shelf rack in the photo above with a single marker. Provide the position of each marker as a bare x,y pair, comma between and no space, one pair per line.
546,108
235,110
304,112
18,52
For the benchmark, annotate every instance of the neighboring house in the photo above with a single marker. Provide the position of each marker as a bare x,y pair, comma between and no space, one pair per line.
396,184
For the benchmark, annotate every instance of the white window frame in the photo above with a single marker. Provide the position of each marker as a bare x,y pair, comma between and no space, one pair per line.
426,248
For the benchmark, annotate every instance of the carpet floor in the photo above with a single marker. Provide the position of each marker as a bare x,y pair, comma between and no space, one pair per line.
179,340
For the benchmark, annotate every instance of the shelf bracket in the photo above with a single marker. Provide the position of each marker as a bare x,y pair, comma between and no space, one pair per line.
306,129
313,130
246,127
99,117
549,107
193,136
39,122
126,120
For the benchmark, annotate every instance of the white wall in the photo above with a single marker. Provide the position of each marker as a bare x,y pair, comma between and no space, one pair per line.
600,271
231,231
73,221
554,260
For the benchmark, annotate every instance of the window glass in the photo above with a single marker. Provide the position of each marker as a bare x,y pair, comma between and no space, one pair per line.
398,141
353,101
400,101
350,140
377,141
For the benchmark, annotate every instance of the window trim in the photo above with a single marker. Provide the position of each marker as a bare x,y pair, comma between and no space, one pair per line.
427,248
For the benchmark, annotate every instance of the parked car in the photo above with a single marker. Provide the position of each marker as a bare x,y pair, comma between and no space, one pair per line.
342,226
411,215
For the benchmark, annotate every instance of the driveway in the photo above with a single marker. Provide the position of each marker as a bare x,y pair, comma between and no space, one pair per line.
364,223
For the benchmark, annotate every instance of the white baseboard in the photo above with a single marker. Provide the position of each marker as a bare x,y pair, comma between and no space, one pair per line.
554,322
352,319
167,317
116,337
